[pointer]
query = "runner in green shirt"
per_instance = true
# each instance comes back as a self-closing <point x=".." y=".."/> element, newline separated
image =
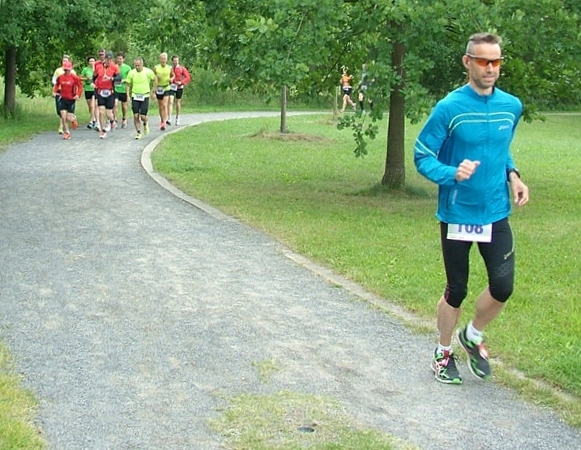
<point x="139" y="84"/>
<point x="87" y="77"/>
<point x="120" y="92"/>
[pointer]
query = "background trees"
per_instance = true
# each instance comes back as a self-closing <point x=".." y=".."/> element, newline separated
<point x="412" y="48"/>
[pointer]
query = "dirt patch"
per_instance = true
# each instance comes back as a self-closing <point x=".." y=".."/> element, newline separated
<point x="288" y="137"/>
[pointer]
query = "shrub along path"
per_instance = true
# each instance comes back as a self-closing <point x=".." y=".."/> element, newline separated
<point x="134" y="316"/>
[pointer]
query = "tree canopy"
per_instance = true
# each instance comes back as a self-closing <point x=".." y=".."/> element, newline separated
<point x="412" y="48"/>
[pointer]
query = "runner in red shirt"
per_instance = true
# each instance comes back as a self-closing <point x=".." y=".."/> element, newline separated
<point x="104" y="77"/>
<point x="70" y="87"/>
<point x="180" y="78"/>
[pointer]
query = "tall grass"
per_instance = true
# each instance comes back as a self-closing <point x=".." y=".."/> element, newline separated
<point x="309" y="191"/>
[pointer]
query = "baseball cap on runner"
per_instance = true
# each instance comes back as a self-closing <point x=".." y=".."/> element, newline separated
<point x="109" y="55"/>
<point x="101" y="50"/>
<point x="68" y="65"/>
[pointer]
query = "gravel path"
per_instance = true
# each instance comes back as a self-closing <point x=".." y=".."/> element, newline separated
<point x="128" y="309"/>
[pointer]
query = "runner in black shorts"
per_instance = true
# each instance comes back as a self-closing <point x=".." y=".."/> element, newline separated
<point x="139" y="84"/>
<point x="464" y="147"/>
<point x="104" y="77"/>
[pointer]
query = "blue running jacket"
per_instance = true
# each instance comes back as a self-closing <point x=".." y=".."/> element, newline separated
<point x="466" y="125"/>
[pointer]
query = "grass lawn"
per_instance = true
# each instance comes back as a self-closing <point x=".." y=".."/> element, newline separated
<point x="309" y="191"/>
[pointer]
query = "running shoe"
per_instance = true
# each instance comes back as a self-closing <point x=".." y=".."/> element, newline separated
<point x="97" y="126"/>
<point x="168" y="122"/>
<point x="444" y="367"/>
<point x="114" y="124"/>
<point x="124" y="123"/>
<point x="477" y="356"/>
<point x="107" y="127"/>
<point x="66" y="136"/>
<point x="138" y="135"/>
<point x="177" y="121"/>
<point x="91" y="125"/>
<point x="146" y="128"/>
<point x="103" y="135"/>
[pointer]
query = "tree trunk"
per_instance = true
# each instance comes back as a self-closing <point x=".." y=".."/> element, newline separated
<point x="394" y="176"/>
<point x="10" y="82"/>
<point x="283" y="128"/>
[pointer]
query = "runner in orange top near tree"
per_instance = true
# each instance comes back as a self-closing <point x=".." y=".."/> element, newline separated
<point x="347" y="89"/>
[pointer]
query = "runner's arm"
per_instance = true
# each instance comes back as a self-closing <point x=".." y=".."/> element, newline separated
<point x="188" y="77"/>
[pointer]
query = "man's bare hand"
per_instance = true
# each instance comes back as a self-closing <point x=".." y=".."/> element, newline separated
<point x="520" y="191"/>
<point x="466" y="169"/>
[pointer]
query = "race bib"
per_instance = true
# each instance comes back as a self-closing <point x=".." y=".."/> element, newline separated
<point x="160" y="91"/>
<point x="173" y="87"/>
<point x="139" y="97"/>
<point x="470" y="233"/>
<point x="105" y="93"/>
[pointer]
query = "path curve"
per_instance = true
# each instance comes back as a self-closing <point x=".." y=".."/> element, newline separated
<point x="133" y="315"/>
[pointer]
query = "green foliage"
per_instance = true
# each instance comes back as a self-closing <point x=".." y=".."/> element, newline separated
<point x="361" y="130"/>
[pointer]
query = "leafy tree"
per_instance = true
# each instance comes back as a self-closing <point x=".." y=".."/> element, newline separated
<point x="34" y="34"/>
<point x="426" y="38"/>
<point x="276" y="45"/>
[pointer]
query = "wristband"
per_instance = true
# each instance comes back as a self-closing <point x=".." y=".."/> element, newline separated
<point x="513" y="170"/>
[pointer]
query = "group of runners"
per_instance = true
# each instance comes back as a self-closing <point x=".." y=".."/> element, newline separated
<point x="110" y="85"/>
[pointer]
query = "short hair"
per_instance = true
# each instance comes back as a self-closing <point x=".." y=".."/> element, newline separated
<point x="174" y="56"/>
<point x="91" y="57"/>
<point x="139" y="58"/>
<point x="163" y="54"/>
<point x="482" y="38"/>
<point x="121" y="54"/>
<point x="67" y="57"/>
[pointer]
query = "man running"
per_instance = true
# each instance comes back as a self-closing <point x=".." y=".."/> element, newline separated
<point x="98" y="63"/>
<point x="58" y="72"/>
<point x="180" y="78"/>
<point x="464" y="147"/>
<point x="68" y="87"/>
<point x="163" y="74"/>
<point x="139" y="83"/>
<point x="104" y="79"/>
<point x="87" y="77"/>
<point x="120" y="91"/>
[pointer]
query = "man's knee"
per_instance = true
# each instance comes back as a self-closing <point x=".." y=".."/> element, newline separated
<point x="455" y="295"/>
<point x="501" y="290"/>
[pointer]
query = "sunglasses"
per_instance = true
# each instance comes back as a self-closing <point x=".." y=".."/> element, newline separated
<point x="483" y="62"/>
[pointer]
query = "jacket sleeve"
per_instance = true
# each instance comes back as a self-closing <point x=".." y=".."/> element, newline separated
<point x="509" y="161"/>
<point x="430" y="141"/>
